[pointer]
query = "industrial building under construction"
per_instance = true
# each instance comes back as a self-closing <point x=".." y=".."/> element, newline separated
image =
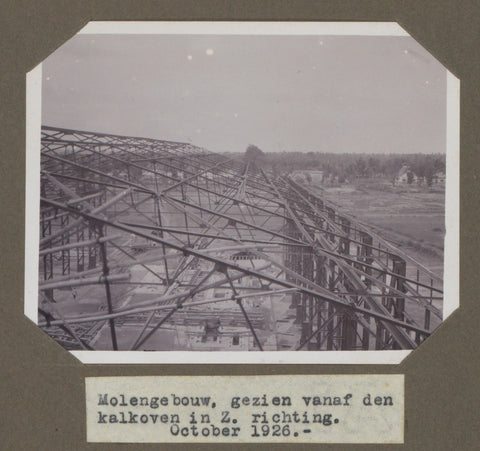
<point x="164" y="246"/>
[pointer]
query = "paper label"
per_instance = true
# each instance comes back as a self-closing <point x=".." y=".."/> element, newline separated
<point x="309" y="409"/>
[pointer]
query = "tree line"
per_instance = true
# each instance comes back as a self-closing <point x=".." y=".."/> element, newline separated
<point x="348" y="166"/>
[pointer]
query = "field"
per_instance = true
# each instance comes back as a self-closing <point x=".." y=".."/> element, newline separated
<point x="410" y="217"/>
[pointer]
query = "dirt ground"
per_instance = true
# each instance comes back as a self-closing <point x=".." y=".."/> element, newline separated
<point x="410" y="217"/>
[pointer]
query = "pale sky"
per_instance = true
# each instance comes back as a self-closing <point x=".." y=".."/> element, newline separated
<point x="282" y="93"/>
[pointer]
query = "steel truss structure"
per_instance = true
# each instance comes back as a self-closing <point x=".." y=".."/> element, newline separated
<point x="123" y="214"/>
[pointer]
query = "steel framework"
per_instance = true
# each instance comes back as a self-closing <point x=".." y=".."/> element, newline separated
<point x="143" y="235"/>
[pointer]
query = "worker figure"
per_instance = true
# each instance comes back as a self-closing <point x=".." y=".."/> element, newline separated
<point x="74" y="294"/>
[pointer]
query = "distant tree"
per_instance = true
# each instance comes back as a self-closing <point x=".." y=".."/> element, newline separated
<point x="373" y="166"/>
<point x="253" y="154"/>
<point x="440" y="166"/>
<point x="429" y="171"/>
<point x="361" y="167"/>
<point x="409" y="177"/>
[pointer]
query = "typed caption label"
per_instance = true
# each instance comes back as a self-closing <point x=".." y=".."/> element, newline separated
<point x="310" y="409"/>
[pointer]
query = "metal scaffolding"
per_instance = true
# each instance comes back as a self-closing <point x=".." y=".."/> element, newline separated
<point x="190" y="229"/>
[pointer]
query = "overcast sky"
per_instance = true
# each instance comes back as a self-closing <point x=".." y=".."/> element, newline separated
<point x="281" y="93"/>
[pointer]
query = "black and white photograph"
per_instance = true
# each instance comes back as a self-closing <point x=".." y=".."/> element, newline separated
<point x="242" y="193"/>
